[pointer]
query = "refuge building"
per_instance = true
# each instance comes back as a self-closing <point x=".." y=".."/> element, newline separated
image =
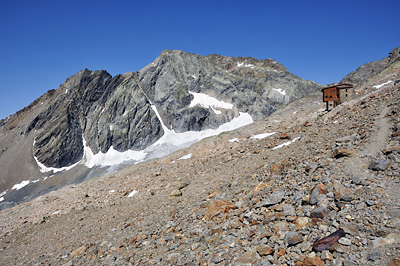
<point x="337" y="94"/>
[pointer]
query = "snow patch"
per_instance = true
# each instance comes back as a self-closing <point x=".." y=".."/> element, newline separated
<point x="209" y="102"/>
<point x="179" y="139"/>
<point x="1" y="199"/>
<point x="44" y="169"/>
<point x="185" y="157"/>
<point x="111" y="191"/>
<point x="234" y="140"/>
<point x="111" y="157"/>
<point x="243" y="65"/>
<point x="44" y="178"/>
<point x="281" y="91"/>
<point x="381" y="85"/>
<point x="3" y="193"/>
<point x="263" y="136"/>
<point x="66" y="91"/>
<point x="21" y="185"/>
<point x="133" y="193"/>
<point x="285" y="144"/>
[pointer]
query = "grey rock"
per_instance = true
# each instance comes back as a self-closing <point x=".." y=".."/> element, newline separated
<point x="346" y="139"/>
<point x="374" y="256"/>
<point x="289" y="210"/>
<point x="294" y="238"/>
<point x="272" y="199"/>
<point x="357" y="180"/>
<point x="349" y="263"/>
<point x="297" y="197"/>
<point x="320" y="213"/>
<point x="345" y="241"/>
<point x="379" y="164"/>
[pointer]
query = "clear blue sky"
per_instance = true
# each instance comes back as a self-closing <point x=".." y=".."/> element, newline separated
<point x="42" y="43"/>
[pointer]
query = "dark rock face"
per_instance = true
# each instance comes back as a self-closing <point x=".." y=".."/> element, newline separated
<point x="106" y="111"/>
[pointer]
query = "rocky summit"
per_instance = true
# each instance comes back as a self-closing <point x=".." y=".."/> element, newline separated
<point x="300" y="187"/>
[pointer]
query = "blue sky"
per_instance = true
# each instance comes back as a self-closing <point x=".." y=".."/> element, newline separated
<point x="42" y="43"/>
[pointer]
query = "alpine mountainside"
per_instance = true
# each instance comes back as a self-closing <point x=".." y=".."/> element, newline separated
<point x="93" y="113"/>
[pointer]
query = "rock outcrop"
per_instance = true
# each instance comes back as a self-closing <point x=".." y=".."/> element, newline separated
<point x="375" y="70"/>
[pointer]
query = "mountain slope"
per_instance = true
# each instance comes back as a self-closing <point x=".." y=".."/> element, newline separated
<point x="277" y="194"/>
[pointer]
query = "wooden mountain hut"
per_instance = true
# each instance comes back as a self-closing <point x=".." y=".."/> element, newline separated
<point x="337" y="94"/>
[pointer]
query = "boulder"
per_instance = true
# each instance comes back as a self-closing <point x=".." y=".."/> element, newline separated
<point x="379" y="164"/>
<point x="217" y="207"/>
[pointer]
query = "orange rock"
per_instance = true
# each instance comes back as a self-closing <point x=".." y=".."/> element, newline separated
<point x="316" y="191"/>
<point x="133" y="240"/>
<point x="339" y="152"/>
<point x="217" y="207"/>
<point x="313" y="261"/>
<point x="260" y="186"/>
<point x="284" y="136"/>
<point x="281" y="252"/>
<point x="77" y="252"/>
<point x="389" y="149"/>
<point x="394" y="262"/>
<point x="247" y="258"/>
<point x="301" y="222"/>
<point x="265" y="250"/>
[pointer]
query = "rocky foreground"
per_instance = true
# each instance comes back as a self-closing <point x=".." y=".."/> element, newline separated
<point x="235" y="199"/>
